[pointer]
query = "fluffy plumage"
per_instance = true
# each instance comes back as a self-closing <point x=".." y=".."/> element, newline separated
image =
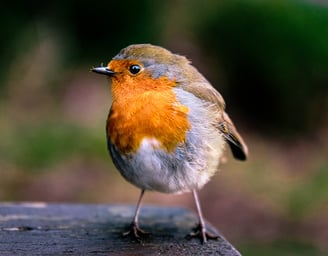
<point x="167" y="126"/>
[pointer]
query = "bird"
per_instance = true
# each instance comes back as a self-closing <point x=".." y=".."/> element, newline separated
<point x="167" y="127"/>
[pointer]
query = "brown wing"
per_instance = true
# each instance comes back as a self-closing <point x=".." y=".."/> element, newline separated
<point x="235" y="141"/>
<point x="205" y="91"/>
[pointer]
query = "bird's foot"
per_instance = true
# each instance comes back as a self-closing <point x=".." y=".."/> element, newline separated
<point x="203" y="234"/>
<point x="136" y="232"/>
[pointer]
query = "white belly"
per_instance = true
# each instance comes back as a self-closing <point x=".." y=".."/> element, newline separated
<point x="152" y="168"/>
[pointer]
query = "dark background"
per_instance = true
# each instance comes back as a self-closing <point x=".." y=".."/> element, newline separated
<point x="269" y="59"/>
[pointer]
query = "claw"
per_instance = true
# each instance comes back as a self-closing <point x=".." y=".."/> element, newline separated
<point x="200" y="232"/>
<point x="136" y="232"/>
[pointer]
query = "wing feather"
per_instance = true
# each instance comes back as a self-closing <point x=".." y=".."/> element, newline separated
<point x="205" y="91"/>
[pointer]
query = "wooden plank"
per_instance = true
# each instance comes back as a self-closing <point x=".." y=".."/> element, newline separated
<point x="74" y="229"/>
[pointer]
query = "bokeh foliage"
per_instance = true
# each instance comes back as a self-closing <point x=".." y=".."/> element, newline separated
<point x="273" y="53"/>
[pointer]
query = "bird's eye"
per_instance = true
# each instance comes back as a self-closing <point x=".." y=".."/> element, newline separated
<point x="134" y="69"/>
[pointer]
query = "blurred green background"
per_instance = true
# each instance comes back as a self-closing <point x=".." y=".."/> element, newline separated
<point x="269" y="59"/>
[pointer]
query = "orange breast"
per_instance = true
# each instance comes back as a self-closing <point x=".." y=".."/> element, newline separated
<point x="144" y="107"/>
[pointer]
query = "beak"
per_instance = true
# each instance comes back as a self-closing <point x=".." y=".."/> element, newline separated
<point x="103" y="71"/>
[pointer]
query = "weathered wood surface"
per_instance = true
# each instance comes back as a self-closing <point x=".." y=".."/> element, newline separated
<point x="70" y="229"/>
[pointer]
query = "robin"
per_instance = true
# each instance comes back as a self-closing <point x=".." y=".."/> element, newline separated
<point x="167" y="126"/>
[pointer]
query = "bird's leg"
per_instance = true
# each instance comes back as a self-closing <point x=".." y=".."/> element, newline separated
<point x="135" y="231"/>
<point x="200" y="230"/>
